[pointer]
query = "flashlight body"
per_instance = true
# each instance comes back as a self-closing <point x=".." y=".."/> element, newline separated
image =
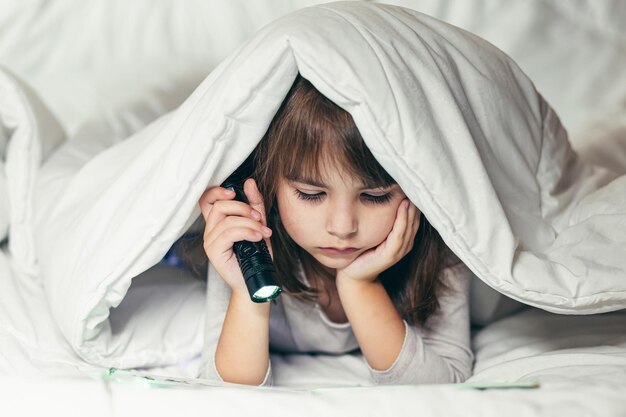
<point x="255" y="261"/>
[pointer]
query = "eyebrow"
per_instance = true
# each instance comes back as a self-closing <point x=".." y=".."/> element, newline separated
<point x="316" y="183"/>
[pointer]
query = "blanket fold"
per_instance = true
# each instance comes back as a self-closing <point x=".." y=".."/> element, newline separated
<point x="448" y="115"/>
<point x="29" y="133"/>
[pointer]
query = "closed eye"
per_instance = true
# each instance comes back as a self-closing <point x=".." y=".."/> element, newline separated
<point x="368" y="198"/>
<point x="308" y="197"/>
<point x="377" y="199"/>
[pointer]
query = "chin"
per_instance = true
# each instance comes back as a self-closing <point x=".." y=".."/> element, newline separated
<point x="334" y="263"/>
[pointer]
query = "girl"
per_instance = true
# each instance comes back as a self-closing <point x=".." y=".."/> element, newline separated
<point x="360" y="266"/>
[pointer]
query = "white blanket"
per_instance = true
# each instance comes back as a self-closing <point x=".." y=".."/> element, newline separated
<point x="572" y="52"/>
<point x="454" y="120"/>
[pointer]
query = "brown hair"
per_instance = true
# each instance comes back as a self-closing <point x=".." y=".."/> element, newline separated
<point x="307" y="132"/>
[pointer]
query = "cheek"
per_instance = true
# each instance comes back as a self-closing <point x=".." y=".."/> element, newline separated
<point x="295" y="219"/>
<point x="381" y="223"/>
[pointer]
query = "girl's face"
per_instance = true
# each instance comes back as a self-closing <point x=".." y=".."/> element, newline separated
<point x="338" y="213"/>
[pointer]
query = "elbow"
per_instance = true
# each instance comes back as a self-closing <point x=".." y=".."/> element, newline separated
<point x="447" y="373"/>
<point x="245" y="378"/>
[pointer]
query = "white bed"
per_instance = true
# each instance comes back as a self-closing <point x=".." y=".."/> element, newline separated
<point x="95" y="73"/>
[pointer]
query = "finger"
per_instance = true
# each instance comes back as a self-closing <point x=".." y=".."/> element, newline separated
<point x="412" y="228"/>
<point x="395" y="239"/>
<point x="224" y="208"/>
<point x="223" y="242"/>
<point x="400" y="225"/>
<point x="416" y="220"/>
<point x="223" y="231"/>
<point x="210" y="196"/>
<point x="405" y="227"/>
<point x="255" y="198"/>
<point x="410" y="219"/>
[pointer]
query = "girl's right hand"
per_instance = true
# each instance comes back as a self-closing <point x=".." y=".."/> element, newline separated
<point x="229" y="221"/>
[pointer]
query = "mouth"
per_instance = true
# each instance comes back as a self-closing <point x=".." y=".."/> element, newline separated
<point x="339" y="251"/>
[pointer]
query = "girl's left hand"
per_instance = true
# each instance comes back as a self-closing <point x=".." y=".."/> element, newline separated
<point x="399" y="242"/>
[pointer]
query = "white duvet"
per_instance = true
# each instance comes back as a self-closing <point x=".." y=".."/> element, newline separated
<point x="453" y="119"/>
<point x="471" y="142"/>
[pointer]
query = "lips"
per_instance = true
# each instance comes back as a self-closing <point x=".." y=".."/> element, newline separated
<point x="339" y="251"/>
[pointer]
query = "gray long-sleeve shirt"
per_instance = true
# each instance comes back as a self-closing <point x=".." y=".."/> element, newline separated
<point x="438" y="352"/>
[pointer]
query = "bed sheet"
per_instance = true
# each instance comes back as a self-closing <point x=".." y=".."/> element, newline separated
<point x="77" y="397"/>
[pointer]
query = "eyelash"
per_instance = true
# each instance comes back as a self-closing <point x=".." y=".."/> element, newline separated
<point x="373" y="199"/>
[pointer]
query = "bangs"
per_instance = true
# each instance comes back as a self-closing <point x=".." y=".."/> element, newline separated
<point x="316" y="134"/>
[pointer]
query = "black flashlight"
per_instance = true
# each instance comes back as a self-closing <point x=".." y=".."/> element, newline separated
<point x="254" y="258"/>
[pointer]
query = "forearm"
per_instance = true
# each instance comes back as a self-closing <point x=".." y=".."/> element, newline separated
<point x="242" y="354"/>
<point x="376" y="323"/>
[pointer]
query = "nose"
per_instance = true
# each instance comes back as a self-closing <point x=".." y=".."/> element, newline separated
<point x="342" y="221"/>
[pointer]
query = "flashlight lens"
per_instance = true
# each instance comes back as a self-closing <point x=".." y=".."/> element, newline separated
<point x="267" y="293"/>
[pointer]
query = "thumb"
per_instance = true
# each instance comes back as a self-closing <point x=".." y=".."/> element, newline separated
<point x="255" y="198"/>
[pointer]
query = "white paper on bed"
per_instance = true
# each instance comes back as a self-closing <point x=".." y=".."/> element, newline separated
<point x="449" y="116"/>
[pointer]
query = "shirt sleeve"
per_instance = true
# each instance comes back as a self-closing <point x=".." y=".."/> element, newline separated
<point x="218" y="297"/>
<point x="440" y="351"/>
